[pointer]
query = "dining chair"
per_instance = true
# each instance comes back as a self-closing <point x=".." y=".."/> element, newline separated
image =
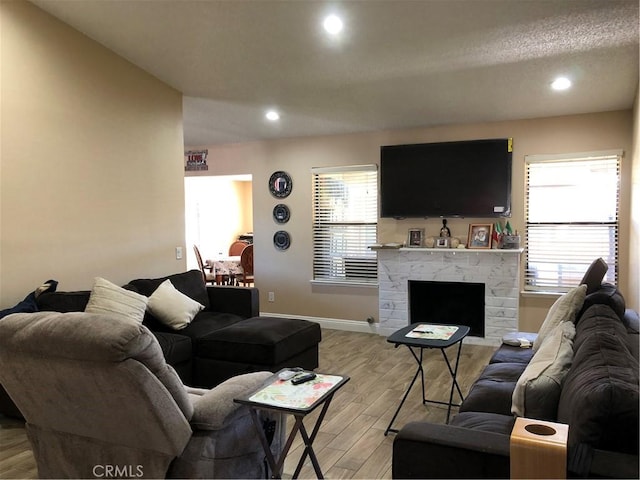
<point x="207" y="275"/>
<point x="236" y="248"/>
<point x="246" y="262"/>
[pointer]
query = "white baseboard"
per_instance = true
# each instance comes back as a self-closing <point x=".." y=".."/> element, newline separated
<point x="331" y="323"/>
<point x="364" y="327"/>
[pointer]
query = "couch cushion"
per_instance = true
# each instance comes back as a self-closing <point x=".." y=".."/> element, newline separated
<point x="63" y="302"/>
<point x="564" y="309"/>
<point x="493" y="389"/>
<point x="599" y="398"/>
<point x="509" y="354"/>
<point x="594" y="275"/>
<point x="190" y="283"/>
<point x="596" y="320"/>
<point x="486" y="422"/>
<point x="110" y="299"/>
<point x="176" y="348"/>
<point x="537" y="391"/>
<point x="171" y="307"/>
<point x="607" y="295"/>
<point x="206" y="322"/>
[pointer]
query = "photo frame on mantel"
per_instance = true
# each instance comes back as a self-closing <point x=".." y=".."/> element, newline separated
<point x="415" y="237"/>
<point x="480" y="235"/>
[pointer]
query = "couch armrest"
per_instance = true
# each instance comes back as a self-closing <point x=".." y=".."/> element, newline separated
<point x="215" y="409"/>
<point x="241" y="301"/>
<point x="427" y="450"/>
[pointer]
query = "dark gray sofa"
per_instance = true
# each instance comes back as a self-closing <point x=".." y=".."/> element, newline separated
<point x="598" y="400"/>
<point x="226" y="339"/>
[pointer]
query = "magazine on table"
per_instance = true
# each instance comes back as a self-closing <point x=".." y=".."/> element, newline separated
<point x="432" y="332"/>
<point x="282" y="393"/>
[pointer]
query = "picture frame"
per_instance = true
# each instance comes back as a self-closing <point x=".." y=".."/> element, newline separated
<point x="480" y="235"/>
<point x="442" y="242"/>
<point x="415" y="237"/>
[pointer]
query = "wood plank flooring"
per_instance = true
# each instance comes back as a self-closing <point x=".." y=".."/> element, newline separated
<point x="351" y="441"/>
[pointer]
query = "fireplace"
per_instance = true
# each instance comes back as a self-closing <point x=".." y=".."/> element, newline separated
<point x="498" y="270"/>
<point x="460" y="303"/>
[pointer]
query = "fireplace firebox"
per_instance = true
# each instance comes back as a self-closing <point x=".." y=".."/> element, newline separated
<point x="461" y="303"/>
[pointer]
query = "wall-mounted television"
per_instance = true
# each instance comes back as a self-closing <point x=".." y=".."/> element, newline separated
<point x="447" y="179"/>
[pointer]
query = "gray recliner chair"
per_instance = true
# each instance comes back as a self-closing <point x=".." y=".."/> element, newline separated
<point x="100" y="401"/>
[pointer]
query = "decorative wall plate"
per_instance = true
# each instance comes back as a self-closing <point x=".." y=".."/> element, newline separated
<point x="281" y="213"/>
<point x="280" y="184"/>
<point x="281" y="240"/>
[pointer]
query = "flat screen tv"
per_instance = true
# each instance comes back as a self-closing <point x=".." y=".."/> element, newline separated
<point x="448" y="179"/>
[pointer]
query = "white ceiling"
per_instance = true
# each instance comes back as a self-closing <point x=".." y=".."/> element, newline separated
<point x="397" y="64"/>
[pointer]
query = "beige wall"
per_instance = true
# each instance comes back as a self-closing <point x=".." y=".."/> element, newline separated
<point x="288" y="273"/>
<point x="91" y="161"/>
<point x="633" y="294"/>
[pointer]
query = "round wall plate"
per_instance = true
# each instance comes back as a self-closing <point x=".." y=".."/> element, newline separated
<point x="281" y="213"/>
<point x="281" y="240"/>
<point x="280" y="184"/>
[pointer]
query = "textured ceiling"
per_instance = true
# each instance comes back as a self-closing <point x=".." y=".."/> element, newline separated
<point x="397" y="64"/>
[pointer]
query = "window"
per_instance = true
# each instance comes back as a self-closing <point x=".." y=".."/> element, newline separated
<point x="345" y="216"/>
<point x="572" y="204"/>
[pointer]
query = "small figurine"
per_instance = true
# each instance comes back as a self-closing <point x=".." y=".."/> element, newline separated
<point x="444" y="231"/>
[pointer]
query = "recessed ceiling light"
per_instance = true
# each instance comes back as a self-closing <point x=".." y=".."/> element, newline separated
<point x="561" y="83"/>
<point x="332" y="24"/>
<point x="272" y="116"/>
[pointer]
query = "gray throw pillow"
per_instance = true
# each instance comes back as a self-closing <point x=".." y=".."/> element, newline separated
<point x="564" y="309"/>
<point x="537" y="391"/>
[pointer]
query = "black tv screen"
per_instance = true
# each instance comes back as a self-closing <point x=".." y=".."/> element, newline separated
<point x="448" y="179"/>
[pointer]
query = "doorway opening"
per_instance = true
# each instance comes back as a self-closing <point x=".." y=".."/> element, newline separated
<point x="218" y="211"/>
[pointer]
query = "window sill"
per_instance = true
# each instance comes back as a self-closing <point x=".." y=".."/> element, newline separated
<point x="338" y="283"/>
<point x="533" y="294"/>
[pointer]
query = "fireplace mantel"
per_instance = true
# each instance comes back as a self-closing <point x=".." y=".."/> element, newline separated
<point x="498" y="269"/>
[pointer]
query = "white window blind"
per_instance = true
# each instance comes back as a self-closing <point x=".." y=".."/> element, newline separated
<point x="345" y="217"/>
<point x="572" y="204"/>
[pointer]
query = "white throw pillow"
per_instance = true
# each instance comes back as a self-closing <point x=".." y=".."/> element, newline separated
<point x="537" y="391"/>
<point x="110" y="299"/>
<point x="172" y="307"/>
<point x="564" y="309"/>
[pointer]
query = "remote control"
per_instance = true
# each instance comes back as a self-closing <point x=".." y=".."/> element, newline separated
<point x="303" y="377"/>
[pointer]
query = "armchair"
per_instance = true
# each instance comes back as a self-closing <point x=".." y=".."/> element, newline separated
<point x="99" y="400"/>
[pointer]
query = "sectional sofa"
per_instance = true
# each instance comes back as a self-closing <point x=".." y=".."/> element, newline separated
<point x="226" y="338"/>
<point x="582" y="371"/>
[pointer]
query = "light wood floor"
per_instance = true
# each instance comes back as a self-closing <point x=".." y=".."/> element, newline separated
<point x="351" y="441"/>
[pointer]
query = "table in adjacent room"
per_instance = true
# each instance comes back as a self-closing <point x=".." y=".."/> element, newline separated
<point x="225" y="268"/>
<point x="298" y="400"/>
<point x="420" y="336"/>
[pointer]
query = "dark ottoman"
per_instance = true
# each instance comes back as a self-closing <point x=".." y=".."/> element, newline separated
<point x="254" y="344"/>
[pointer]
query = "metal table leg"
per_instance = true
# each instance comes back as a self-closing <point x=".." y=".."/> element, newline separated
<point x="277" y="466"/>
<point x="420" y="372"/>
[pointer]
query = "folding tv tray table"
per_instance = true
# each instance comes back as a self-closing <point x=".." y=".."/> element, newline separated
<point x="298" y="400"/>
<point x="434" y="338"/>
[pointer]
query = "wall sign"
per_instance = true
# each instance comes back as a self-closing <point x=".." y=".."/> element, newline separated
<point x="196" y="160"/>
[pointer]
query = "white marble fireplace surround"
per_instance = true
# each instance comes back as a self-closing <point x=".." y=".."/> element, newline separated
<point x="499" y="270"/>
